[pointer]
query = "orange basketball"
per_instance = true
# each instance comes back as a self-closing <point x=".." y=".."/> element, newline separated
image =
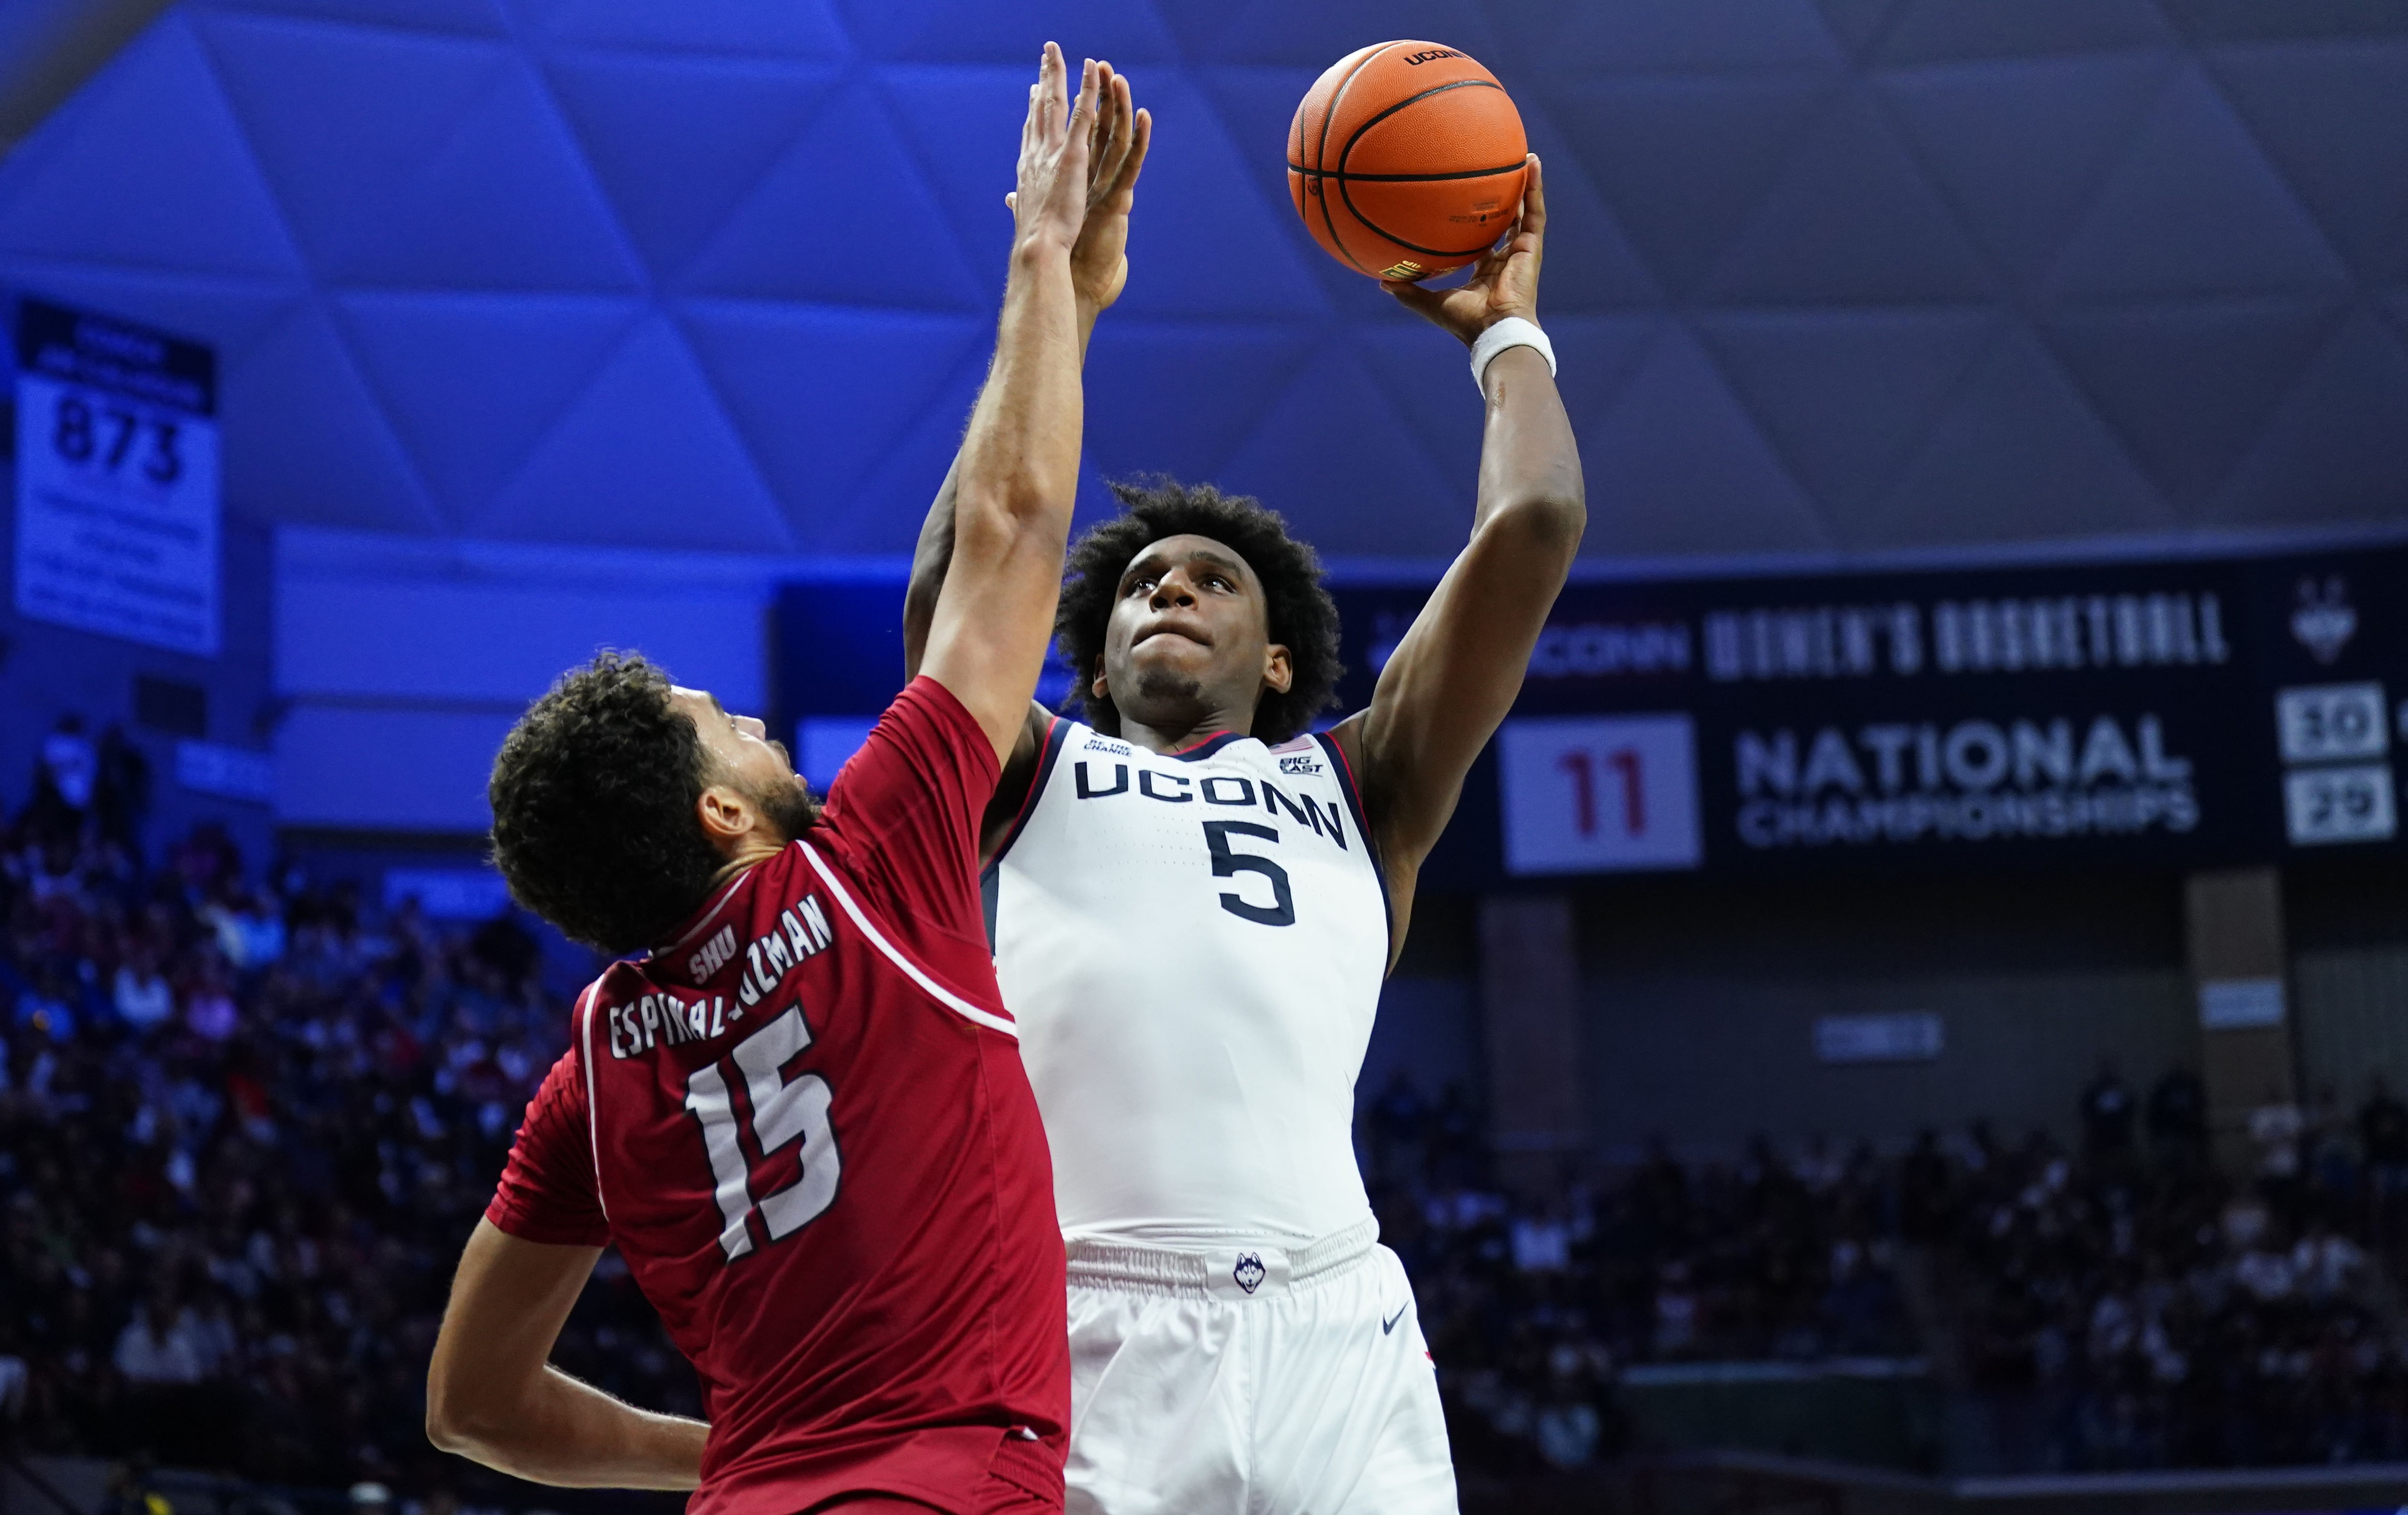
<point x="1406" y="160"/>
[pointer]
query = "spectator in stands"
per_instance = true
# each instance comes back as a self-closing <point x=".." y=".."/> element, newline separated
<point x="2178" y="1116"/>
<point x="2107" y="1117"/>
<point x="63" y="776"/>
<point x="2383" y="1142"/>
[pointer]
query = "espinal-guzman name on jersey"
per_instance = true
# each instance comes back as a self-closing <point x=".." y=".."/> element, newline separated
<point x="1192" y="944"/>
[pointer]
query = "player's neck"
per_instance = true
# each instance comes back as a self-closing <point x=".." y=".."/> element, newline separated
<point x="748" y="851"/>
<point x="1176" y="735"/>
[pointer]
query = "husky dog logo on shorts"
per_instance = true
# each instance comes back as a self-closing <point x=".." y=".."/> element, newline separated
<point x="1249" y="1272"/>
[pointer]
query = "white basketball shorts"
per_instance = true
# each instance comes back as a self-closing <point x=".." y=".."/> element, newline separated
<point x="1250" y="1380"/>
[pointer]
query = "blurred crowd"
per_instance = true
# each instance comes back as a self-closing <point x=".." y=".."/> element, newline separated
<point x="2126" y="1304"/>
<point x="246" y="1122"/>
<point x="1533" y="1311"/>
<point x="2131" y="1305"/>
<point x="247" y="1119"/>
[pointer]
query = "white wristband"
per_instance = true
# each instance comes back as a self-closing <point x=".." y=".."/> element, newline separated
<point x="1510" y="332"/>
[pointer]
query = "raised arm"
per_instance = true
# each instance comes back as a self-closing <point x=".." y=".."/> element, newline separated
<point x="1017" y="476"/>
<point x="1098" y="270"/>
<point x="493" y="1395"/>
<point x="1459" y="668"/>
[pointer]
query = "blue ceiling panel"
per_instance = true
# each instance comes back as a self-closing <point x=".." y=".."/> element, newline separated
<point x="678" y="142"/>
<point x="824" y="395"/>
<point x="1849" y="219"/>
<point x="227" y="311"/>
<point x="1130" y="431"/>
<point x="186" y="200"/>
<point x="1675" y="464"/>
<point x="2195" y="208"/>
<point x="508" y="202"/>
<point x="1860" y="25"/>
<point x="2190" y="387"/>
<point x="472" y="381"/>
<point x="1214" y="32"/>
<point x="321" y="109"/>
<point x="645" y="457"/>
<point x="1682" y="37"/>
<point x="792" y="29"/>
<point x="2018" y="448"/>
<point x="843" y="216"/>
<point x="1822" y="275"/>
<point x="305" y="440"/>
<point x="482" y="18"/>
<point x="2329" y="115"/>
<point x="1935" y="31"/>
<point x="1684" y="162"/>
<point x="1286" y="464"/>
<point x="1847" y="396"/>
<point x="982" y="33"/>
<point x="2337" y="450"/>
<point x="2254" y="20"/>
<point x="2021" y="147"/>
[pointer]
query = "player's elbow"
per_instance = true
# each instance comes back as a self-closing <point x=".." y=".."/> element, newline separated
<point x="1548" y="520"/>
<point x="460" y="1420"/>
<point x="1009" y="508"/>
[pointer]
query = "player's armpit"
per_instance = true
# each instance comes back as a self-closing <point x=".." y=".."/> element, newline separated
<point x="493" y="1395"/>
<point x="1011" y="787"/>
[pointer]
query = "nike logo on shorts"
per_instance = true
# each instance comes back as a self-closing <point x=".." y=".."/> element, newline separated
<point x="1390" y="1323"/>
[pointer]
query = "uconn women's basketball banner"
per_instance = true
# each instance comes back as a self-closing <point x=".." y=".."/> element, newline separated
<point x="2181" y="714"/>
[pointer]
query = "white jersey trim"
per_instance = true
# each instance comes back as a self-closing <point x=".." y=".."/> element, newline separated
<point x="592" y="1107"/>
<point x="937" y="992"/>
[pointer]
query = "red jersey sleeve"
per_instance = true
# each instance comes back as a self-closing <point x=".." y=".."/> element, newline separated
<point x="909" y="804"/>
<point x="547" y="1191"/>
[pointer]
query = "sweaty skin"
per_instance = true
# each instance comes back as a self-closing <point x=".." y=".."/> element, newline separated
<point x="1188" y="654"/>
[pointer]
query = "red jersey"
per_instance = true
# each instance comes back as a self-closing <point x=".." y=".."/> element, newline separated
<point x="805" y="1125"/>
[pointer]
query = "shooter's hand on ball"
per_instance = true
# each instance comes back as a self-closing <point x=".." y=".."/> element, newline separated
<point x="1504" y="283"/>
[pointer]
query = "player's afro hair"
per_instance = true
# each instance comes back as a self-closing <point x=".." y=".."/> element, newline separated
<point x="1301" y="615"/>
<point x="594" y="796"/>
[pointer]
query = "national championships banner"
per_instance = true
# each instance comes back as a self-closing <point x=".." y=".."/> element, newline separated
<point x="2180" y="714"/>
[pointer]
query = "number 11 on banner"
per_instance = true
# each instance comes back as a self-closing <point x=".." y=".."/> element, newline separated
<point x="1600" y="794"/>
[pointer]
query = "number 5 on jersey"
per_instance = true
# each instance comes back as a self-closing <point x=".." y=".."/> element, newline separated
<point x="784" y="1110"/>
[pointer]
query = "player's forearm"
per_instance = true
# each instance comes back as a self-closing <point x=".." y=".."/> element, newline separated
<point x="1019" y="464"/>
<point x="1530" y="460"/>
<point x="934" y="553"/>
<point x="561" y="1432"/>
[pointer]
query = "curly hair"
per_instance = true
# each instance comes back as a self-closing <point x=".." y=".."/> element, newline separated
<point x="594" y="796"/>
<point x="1300" y="615"/>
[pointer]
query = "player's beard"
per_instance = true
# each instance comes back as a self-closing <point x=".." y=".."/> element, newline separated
<point x="787" y="805"/>
<point x="1159" y="687"/>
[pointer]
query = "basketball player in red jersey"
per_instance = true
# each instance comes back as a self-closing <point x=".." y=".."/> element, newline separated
<point x="801" y="1117"/>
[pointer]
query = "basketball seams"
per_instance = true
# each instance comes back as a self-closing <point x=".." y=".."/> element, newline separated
<point x="1406" y="179"/>
<point x="1320" y="151"/>
<point x="1348" y="152"/>
<point x="1310" y="166"/>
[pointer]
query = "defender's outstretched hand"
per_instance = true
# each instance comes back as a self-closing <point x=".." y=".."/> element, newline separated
<point x="1504" y="283"/>
<point x="1051" y="204"/>
<point x="1116" y="153"/>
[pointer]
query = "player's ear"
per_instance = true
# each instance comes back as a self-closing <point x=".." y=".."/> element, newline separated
<point x="1279" y="670"/>
<point x="1100" y="686"/>
<point x="726" y="816"/>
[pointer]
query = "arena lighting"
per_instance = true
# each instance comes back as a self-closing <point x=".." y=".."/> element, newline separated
<point x="48" y="48"/>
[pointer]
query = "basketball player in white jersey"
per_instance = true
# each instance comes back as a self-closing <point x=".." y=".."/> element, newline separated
<point x="1194" y="901"/>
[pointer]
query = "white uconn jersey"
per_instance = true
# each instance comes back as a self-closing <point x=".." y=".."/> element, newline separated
<point x="1193" y="946"/>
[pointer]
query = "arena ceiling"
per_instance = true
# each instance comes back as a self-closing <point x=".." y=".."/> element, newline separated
<point x="1827" y="276"/>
